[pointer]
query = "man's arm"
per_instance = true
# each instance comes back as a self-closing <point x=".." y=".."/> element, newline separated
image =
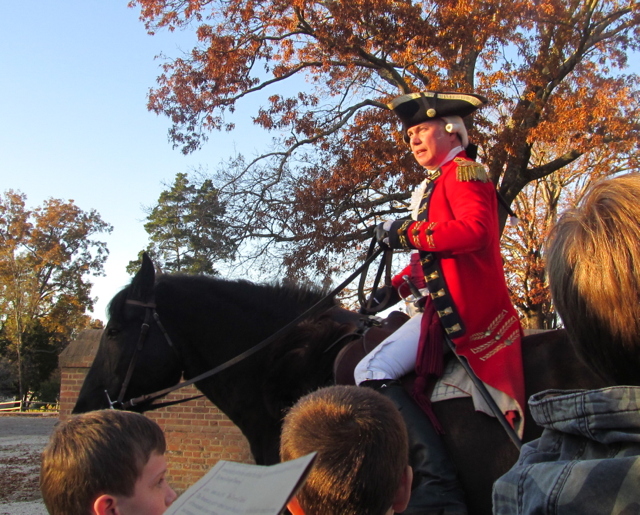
<point x="473" y="206"/>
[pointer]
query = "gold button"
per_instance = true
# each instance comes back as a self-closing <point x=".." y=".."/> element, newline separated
<point x="437" y="294"/>
<point x="431" y="113"/>
<point x="453" y="328"/>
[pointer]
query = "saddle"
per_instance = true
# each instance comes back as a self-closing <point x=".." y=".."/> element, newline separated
<point x="352" y="353"/>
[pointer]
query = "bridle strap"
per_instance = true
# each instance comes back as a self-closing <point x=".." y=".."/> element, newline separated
<point x="316" y="308"/>
<point x="144" y="330"/>
<point x="166" y="404"/>
<point x="156" y="317"/>
<point x="344" y="337"/>
<point x="150" y="310"/>
<point x="151" y="305"/>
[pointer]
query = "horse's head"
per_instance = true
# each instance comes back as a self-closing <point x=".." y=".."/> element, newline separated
<point x="134" y="350"/>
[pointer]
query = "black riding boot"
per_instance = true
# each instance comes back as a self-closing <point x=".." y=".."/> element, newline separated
<point x="435" y="489"/>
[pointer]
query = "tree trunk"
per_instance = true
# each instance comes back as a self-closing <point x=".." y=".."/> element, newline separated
<point x="535" y="318"/>
<point x="20" y="387"/>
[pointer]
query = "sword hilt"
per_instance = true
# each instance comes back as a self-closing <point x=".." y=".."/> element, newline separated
<point x="417" y="295"/>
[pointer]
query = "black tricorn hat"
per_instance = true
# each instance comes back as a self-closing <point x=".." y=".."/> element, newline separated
<point x="416" y="108"/>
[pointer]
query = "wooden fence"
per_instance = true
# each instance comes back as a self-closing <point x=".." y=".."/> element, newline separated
<point x="27" y="406"/>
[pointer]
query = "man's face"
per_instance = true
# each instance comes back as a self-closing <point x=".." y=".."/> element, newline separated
<point x="430" y="143"/>
<point x="152" y="495"/>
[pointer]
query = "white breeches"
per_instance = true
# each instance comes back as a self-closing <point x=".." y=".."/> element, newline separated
<point x="394" y="357"/>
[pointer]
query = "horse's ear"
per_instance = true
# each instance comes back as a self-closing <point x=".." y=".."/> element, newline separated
<point x="142" y="283"/>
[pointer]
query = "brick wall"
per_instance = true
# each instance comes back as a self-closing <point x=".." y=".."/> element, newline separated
<point x="198" y="434"/>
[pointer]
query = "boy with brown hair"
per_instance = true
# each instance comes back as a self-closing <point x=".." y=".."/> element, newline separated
<point x="106" y="462"/>
<point x="362" y="464"/>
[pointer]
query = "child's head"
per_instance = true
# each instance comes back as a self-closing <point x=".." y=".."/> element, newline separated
<point x="103" y="459"/>
<point x="593" y="264"/>
<point x="361" y="441"/>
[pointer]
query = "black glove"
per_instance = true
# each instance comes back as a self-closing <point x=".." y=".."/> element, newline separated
<point x="381" y="235"/>
<point x="379" y="297"/>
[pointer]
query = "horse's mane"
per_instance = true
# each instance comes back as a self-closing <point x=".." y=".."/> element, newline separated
<point x="292" y="362"/>
<point x="280" y="295"/>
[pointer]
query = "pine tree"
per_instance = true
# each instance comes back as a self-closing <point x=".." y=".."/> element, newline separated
<point x="186" y="228"/>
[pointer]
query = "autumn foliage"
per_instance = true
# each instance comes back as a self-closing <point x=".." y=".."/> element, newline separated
<point x="554" y="71"/>
<point x="46" y="257"/>
<point x="538" y="207"/>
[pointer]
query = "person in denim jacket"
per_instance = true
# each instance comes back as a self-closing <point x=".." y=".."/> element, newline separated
<point x="588" y="458"/>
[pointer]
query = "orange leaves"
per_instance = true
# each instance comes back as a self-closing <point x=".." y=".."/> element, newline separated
<point x="538" y="206"/>
<point x="45" y="258"/>
<point x="337" y="165"/>
<point x="523" y="252"/>
<point x="328" y="41"/>
<point x="170" y="14"/>
<point x="14" y="219"/>
<point x="520" y="52"/>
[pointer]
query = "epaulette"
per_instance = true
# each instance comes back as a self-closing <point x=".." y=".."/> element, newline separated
<point x="470" y="171"/>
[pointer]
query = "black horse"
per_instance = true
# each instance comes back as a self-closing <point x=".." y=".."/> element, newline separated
<point x="210" y="321"/>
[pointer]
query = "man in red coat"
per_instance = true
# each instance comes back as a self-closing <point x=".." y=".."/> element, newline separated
<point x="453" y="235"/>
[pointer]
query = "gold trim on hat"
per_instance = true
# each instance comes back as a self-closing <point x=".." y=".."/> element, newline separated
<point x="430" y="94"/>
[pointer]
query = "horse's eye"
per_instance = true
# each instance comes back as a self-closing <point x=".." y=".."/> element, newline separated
<point x="112" y="332"/>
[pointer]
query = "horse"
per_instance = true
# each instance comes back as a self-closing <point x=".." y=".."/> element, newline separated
<point x="205" y="321"/>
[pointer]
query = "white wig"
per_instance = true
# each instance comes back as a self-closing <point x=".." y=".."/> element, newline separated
<point x="455" y="125"/>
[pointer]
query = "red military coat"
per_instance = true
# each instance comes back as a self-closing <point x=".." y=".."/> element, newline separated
<point x="461" y="229"/>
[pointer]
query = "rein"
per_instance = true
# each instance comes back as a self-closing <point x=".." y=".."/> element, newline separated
<point x="313" y="310"/>
<point x="385" y="265"/>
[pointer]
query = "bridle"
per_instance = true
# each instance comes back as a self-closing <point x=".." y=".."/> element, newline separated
<point x="150" y="312"/>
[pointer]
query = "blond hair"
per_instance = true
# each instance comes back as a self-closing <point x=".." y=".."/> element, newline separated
<point x="593" y="264"/>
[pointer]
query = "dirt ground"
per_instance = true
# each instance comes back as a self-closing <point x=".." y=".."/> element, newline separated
<point x="22" y="439"/>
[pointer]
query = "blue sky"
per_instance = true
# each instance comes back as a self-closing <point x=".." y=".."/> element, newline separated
<point x="75" y="76"/>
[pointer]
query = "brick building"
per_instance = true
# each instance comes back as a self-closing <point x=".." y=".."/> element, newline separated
<point x="198" y="434"/>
